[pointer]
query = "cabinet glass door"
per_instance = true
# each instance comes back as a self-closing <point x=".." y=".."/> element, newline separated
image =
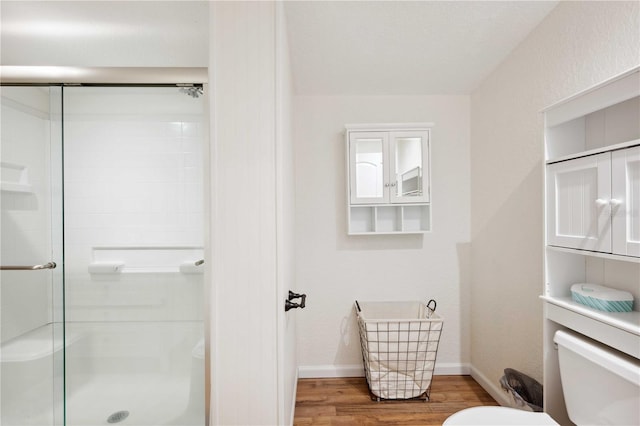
<point x="625" y="201"/>
<point x="579" y="208"/>
<point x="409" y="175"/>
<point x="369" y="183"/>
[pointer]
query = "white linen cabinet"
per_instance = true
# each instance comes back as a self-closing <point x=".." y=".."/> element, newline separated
<point x="592" y="205"/>
<point x="388" y="170"/>
<point x="594" y="202"/>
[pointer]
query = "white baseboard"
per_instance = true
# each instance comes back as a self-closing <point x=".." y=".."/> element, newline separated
<point x="356" y="370"/>
<point x="492" y="389"/>
<point x="452" y="369"/>
<point x="325" y="371"/>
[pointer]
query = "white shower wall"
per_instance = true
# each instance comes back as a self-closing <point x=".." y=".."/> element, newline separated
<point x="25" y="216"/>
<point x="133" y="196"/>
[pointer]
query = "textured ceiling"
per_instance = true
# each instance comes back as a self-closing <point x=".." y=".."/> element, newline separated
<point x="403" y="47"/>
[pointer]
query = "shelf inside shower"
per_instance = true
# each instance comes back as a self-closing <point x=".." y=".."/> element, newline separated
<point x="146" y="259"/>
<point x="14" y="178"/>
<point x="37" y="343"/>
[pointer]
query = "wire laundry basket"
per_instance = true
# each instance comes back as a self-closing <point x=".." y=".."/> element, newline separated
<point x="399" y="343"/>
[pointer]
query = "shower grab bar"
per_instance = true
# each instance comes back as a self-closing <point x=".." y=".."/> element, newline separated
<point x="199" y="262"/>
<point x="50" y="265"/>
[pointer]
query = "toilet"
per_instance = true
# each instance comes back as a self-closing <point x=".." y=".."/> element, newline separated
<point x="498" y="416"/>
<point x="601" y="386"/>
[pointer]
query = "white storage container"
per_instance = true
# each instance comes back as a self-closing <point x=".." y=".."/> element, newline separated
<point x="602" y="298"/>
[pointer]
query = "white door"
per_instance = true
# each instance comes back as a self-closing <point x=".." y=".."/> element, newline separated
<point x="409" y="167"/>
<point x="368" y="170"/>
<point x="579" y="208"/>
<point x="625" y="201"/>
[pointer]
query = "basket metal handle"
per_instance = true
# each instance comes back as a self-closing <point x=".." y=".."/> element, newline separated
<point x="431" y="310"/>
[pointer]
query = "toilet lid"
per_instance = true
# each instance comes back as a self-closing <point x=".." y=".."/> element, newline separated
<point x="498" y="416"/>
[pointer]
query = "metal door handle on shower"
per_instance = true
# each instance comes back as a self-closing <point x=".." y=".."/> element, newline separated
<point x="288" y="304"/>
<point x="50" y="265"/>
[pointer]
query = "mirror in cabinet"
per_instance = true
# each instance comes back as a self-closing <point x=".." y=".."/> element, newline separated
<point x="369" y="166"/>
<point x="408" y="166"/>
<point x="388" y="166"/>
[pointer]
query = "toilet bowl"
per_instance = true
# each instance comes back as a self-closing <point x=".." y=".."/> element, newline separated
<point x="498" y="416"/>
<point x="601" y="386"/>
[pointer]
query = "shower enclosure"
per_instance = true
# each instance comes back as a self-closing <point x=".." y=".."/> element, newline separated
<point x="102" y="236"/>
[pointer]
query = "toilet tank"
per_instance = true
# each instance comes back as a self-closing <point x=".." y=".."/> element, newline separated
<point x="601" y="386"/>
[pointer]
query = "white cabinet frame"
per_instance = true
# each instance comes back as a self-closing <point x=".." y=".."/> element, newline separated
<point x="593" y="203"/>
<point x="626" y="201"/>
<point x="578" y="203"/>
<point x="386" y="210"/>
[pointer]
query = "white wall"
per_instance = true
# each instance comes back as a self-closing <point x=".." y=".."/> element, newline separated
<point x="578" y="45"/>
<point x="335" y="269"/>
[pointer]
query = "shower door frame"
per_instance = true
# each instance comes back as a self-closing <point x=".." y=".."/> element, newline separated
<point x="137" y="76"/>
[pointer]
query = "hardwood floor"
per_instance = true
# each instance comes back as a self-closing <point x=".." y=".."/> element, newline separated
<point x="346" y="401"/>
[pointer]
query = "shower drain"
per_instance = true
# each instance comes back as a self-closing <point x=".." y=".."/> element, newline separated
<point x="118" y="416"/>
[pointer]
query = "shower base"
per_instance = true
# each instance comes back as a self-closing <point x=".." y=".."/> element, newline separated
<point x="150" y="400"/>
<point x="145" y="368"/>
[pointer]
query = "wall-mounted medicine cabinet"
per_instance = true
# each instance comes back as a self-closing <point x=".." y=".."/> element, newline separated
<point x="388" y="169"/>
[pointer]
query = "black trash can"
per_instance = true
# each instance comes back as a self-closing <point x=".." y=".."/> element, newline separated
<point x="525" y="391"/>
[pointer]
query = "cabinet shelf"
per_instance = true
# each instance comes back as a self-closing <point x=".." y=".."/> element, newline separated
<point x="385" y="219"/>
<point x="601" y="255"/>
<point x="619" y="330"/>
<point x="595" y="151"/>
<point x="626" y="321"/>
<point x="603" y="118"/>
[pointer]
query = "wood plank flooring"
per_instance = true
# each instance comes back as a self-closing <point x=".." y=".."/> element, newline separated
<point x="346" y="401"/>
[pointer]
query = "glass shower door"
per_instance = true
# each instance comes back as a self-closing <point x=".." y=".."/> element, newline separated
<point x="31" y="279"/>
<point x="133" y="255"/>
